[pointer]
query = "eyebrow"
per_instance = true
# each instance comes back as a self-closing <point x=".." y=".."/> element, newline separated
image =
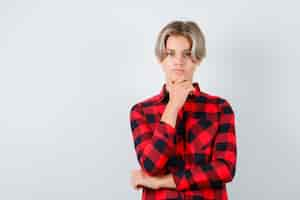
<point x="183" y="50"/>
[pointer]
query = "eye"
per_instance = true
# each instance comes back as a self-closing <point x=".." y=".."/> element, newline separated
<point x="170" y="53"/>
<point x="187" y="54"/>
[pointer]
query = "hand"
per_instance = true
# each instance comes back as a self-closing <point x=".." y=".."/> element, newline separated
<point x="179" y="90"/>
<point x="140" y="179"/>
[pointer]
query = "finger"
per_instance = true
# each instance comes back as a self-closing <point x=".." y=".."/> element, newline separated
<point x="138" y="188"/>
<point x="132" y="182"/>
<point x="134" y="171"/>
<point x="134" y="179"/>
<point x="170" y="81"/>
<point x="143" y="174"/>
<point x="191" y="90"/>
<point x="180" y="80"/>
<point x="135" y="184"/>
<point x="187" y="84"/>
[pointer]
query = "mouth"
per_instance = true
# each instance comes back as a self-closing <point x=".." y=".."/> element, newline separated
<point x="178" y="70"/>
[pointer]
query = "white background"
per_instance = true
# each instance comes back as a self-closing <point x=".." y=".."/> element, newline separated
<point x="71" y="70"/>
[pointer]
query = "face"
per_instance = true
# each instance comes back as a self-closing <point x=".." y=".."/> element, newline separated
<point x="178" y="61"/>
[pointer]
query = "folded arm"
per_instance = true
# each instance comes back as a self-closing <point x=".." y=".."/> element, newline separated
<point x="153" y="146"/>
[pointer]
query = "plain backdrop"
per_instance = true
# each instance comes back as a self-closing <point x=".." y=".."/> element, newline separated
<point x="71" y="70"/>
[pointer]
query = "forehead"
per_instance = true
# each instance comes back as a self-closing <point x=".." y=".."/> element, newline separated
<point x="178" y="42"/>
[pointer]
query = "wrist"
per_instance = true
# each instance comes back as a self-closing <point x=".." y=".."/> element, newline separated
<point x="162" y="181"/>
<point x="167" y="181"/>
<point x="156" y="182"/>
<point x="171" y="105"/>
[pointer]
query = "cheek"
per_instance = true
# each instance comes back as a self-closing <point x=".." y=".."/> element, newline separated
<point x="166" y="65"/>
<point x="167" y="62"/>
<point x="191" y="71"/>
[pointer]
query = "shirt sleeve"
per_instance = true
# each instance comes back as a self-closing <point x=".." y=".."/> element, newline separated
<point x="221" y="168"/>
<point x="153" y="146"/>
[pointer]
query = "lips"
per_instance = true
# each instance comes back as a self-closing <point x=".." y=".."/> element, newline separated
<point x="178" y="70"/>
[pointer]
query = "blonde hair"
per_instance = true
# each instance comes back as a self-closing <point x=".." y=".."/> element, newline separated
<point x="188" y="29"/>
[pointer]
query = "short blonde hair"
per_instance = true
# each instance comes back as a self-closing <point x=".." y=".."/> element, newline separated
<point x="188" y="29"/>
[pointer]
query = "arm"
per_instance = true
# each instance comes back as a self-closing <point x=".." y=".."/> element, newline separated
<point x="153" y="147"/>
<point x="141" y="179"/>
<point x="222" y="167"/>
<point x="166" y="181"/>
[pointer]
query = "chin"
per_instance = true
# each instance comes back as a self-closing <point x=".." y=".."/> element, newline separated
<point x="176" y="75"/>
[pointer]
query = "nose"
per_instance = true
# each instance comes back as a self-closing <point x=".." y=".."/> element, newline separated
<point x="179" y="60"/>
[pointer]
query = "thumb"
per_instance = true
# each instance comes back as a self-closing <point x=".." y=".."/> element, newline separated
<point x="191" y="90"/>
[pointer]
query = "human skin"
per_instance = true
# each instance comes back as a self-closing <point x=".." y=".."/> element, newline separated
<point x="179" y="69"/>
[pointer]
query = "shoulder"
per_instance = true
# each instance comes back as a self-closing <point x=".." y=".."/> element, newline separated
<point x="146" y="102"/>
<point x="220" y="103"/>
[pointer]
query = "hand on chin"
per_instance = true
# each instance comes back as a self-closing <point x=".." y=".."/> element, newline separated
<point x="176" y="76"/>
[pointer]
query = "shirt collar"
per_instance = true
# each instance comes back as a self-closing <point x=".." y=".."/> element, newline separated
<point x="164" y="94"/>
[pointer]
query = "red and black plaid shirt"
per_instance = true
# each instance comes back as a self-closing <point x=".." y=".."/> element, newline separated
<point x="200" y="152"/>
